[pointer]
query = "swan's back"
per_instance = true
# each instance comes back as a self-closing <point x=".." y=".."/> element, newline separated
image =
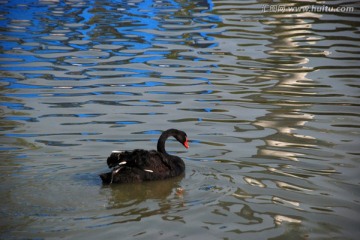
<point x="139" y="158"/>
<point x="141" y="165"/>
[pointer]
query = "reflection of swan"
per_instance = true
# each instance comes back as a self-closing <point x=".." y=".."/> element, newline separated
<point x="123" y="195"/>
<point x="142" y="165"/>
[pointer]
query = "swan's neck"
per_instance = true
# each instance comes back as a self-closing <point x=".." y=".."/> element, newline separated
<point x="161" y="144"/>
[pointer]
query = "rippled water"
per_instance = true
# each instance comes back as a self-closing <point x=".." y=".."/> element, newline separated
<point x="269" y="100"/>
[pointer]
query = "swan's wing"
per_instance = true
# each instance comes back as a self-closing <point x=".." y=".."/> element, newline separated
<point x="114" y="159"/>
<point x="149" y="161"/>
<point x="155" y="162"/>
<point x="118" y="157"/>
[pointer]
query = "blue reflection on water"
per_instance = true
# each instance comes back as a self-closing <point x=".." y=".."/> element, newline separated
<point x="14" y="106"/>
<point x="19" y="85"/>
<point x="23" y="95"/>
<point x="152" y="132"/>
<point x="83" y="115"/>
<point x="21" y="118"/>
<point x="148" y="84"/>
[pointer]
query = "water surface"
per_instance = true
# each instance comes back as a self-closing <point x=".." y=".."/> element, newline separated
<point x="268" y="99"/>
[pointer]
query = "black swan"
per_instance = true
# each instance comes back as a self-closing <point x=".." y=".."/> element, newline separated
<point x="141" y="165"/>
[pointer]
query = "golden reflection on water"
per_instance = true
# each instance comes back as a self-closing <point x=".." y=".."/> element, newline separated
<point x="293" y="85"/>
<point x="279" y="219"/>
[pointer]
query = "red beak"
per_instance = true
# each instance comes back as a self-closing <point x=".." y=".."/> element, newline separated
<point x="186" y="143"/>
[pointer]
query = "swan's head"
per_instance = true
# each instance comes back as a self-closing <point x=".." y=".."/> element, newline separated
<point x="182" y="138"/>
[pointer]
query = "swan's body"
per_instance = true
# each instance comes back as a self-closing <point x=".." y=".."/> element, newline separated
<point x="141" y="165"/>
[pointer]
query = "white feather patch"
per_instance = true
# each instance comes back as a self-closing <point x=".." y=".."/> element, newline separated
<point x="122" y="163"/>
<point x="117" y="151"/>
<point x="148" y="170"/>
